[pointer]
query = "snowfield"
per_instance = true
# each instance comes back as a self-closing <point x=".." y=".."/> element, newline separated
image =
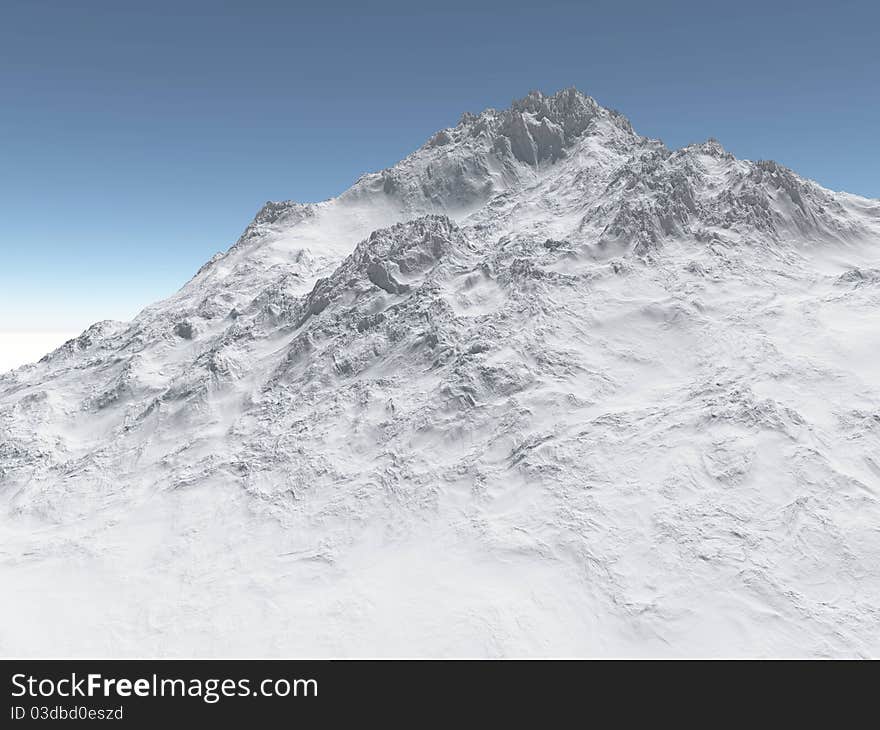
<point x="545" y="387"/>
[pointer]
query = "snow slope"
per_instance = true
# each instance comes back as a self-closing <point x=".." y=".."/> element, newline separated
<point x="544" y="387"/>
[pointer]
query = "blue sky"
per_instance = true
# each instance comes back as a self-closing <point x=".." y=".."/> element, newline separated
<point x="139" y="138"/>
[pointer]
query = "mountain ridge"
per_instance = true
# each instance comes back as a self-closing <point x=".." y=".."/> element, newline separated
<point x="540" y="351"/>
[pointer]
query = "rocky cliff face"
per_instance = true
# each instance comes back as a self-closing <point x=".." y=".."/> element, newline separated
<point x="543" y="387"/>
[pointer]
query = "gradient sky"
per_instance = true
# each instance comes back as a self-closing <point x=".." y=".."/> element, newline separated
<point x="139" y="138"/>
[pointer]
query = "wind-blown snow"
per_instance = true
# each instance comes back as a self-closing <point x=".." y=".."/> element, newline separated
<point x="544" y="387"/>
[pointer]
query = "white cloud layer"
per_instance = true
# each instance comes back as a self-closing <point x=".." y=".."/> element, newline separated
<point x="20" y="348"/>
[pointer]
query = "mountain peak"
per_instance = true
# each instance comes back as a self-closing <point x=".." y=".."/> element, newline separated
<point x="711" y="147"/>
<point x="541" y="355"/>
<point x="558" y="118"/>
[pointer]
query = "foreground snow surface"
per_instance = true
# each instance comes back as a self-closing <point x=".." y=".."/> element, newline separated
<point x="543" y="388"/>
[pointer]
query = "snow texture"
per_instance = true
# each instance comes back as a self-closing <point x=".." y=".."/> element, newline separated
<point x="544" y="387"/>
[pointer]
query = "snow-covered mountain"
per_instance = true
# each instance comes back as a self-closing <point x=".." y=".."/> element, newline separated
<point x="544" y="387"/>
